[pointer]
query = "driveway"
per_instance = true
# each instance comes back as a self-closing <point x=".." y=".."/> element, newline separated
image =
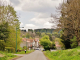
<point x="36" y="55"/>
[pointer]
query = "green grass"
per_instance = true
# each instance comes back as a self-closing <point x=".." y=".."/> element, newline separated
<point x="6" y="56"/>
<point x="23" y="52"/>
<point x="69" y="54"/>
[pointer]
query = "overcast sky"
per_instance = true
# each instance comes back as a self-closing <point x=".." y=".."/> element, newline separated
<point x="35" y="13"/>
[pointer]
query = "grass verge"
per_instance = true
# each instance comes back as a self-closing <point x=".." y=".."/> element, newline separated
<point x="23" y="52"/>
<point x="6" y="56"/>
<point x="70" y="54"/>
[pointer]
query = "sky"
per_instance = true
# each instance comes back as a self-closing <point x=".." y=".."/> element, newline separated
<point x="34" y="14"/>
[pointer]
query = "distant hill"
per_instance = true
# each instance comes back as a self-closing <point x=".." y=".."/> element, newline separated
<point x="43" y="30"/>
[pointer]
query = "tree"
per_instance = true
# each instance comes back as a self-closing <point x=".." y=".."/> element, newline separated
<point x="8" y="23"/>
<point x="74" y="43"/>
<point x="27" y="35"/>
<point x="57" y="35"/>
<point x="4" y="31"/>
<point x="2" y="45"/>
<point x="50" y="36"/>
<point x="59" y="42"/>
<point x="45" y="42"/>
<point x="69" y="20"/>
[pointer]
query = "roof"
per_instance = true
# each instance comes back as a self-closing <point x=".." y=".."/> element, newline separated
<point x="23" y="39"/>
<point x="36" y="39"/>
<point x="30" y="40"/>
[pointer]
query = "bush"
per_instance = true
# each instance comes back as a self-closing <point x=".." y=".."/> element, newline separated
<point x="74" y="43"/>
<point x="2" y="45"/>
<point x="52" y="46"/>
<point x="62" y="46"/>
<point x="10" y="49"/>
<point x="45" y="42"/>
<point x="24" y="48"/>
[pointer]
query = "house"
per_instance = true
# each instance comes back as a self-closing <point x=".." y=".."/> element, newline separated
<point x="23" y="43"/>
<point x="57" y="45"/>
<point x="30" y="43"/>
<point x="37" y="42"/>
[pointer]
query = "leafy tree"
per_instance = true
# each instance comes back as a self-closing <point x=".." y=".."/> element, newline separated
<point x="8" y="23"/>
<point x="45" y="42"/>
<point x="74" y="43"/>
<point x="4" y="31"/>
<point x="2" y="45"/>
<point x="56" y="35"/>
<point x="69" y="20"/>
<point x="60" y="42"/>
<point x="43" y="34"/>
<point x="50" y="36"/>
<point x="27" y="35"/>
<point x="38" y="33"/>
<point x="52" y="46"/>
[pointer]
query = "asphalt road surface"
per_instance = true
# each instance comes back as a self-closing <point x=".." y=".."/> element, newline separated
<point x="36" y="55"/>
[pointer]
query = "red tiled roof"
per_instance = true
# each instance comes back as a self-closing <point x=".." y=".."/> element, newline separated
<point x="23" y="39"/>
<point x="30" y="40"/>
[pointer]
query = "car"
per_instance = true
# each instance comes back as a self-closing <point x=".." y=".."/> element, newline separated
<point x="43" y="49"/>
<point x="36" y="48"/>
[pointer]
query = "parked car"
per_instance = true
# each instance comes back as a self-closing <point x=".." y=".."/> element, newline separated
<point x="37" y="48"/>
<point x="43" y="49"/>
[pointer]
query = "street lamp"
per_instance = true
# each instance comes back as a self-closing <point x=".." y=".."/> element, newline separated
<point x="16" y="37"/>
<point x="26" y="43"/>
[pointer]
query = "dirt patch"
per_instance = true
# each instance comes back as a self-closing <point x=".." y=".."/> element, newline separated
<point x="1" y="55"/>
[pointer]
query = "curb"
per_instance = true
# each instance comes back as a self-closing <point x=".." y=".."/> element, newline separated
<point x="16" y="57"/>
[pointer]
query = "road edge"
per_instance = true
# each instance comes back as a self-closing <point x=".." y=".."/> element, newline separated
<point x="20" y="56"/>
<point x="46" y="56"/>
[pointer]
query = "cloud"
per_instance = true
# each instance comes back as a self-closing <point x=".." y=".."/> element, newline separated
<point x="41" y="9"/>
<point x="47" y="25"/>
<point x="15" y="2"/>
<point x="41" y="18"/>
<point x="40" y="5"/>
<point x="30" y="26"/>
<point x="21" y="24"/>
<point x="36" y="5"/>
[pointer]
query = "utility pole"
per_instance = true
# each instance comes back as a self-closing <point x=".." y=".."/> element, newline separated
<point x="16" y="39"/>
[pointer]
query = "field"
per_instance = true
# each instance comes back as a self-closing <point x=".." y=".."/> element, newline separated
<point x="70" y="54"/>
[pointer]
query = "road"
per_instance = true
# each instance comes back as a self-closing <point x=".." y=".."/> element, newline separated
<point x="36" y="55"/>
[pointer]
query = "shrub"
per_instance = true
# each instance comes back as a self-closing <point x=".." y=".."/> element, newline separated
<point x="10" y="49"/>
<point x="62" y="46"/>
<point x="45" y="42"/>
<point x="2" y="45"/>
<point x="74" y="43"/>
<point x="24" y="48"/>
<point x="52" y="46"/>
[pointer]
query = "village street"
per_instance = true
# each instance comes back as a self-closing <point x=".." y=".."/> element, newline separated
<point x="36" y="55"/>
